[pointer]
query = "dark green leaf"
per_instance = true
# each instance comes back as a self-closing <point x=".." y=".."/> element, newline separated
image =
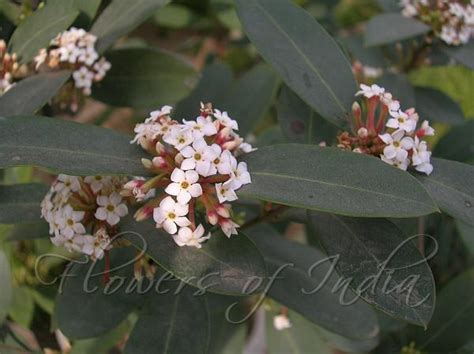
<point x="174" y="16"/>
<point x="85" y="307"/>
<point x="392" y="27"/>
<point x="453" y="321"/>
<point x="41" y="27"/>
<point x="401" y="89"/>
<point x="23" y="306"/>
<point x="312" y="65"/>
<point x="164" y="320"/>
<point x="306" y="282"/>
<point x="386" y="261"/>
<point x="457" y="144"/>
<point x="5" y="280"/>
<point x="332" y="180"/>
<point x="436" y="106"/>
<point x="67" y="147"/>
<point x="373" y="56"/>
<point x="451" y="187"/>
<point x="212" y="87"/>
<point x="88" y="7"/>
<point x="29" y="95"/>
<point x="299" y="123"/>
<point x="20" y="203"/>
<point x="145" y="78"/>
<point x="467" y="234"/>
<point x="389" y="5"/>
<point x="120" y="18"/>
<point x="222" y="265"/>
<point x="251" y="96"/>
<point x="464" y="54"/>
<point x="29" y="231"/>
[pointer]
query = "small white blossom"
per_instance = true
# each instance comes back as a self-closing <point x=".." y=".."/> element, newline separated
<point x="225" y="120"/>
<point x="401" y="120"/>
<point x="184" y="185"/>
<point x="370" y="91"/>
<point x="397" y="145"/>
<point x="170" y="214"/>
<point x="67" y="184"/>
<point x="225" y="192"/>
<point x="427" y="130"/>
<point x="179" y="137"/>
<point x="281" y="322"/>
<point x="239" y="174"/>
<point x="198" y="157"/>
<point x="188" y="237"/>
<point x="111" y="208"/>
<point x="201" y="127"/>
<point x="97" y="182"/>
<point x="69" y="224"/>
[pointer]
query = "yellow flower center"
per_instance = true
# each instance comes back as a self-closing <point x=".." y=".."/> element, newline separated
<point x="184" y="185"/>
<point x="110" y="207"/>
<point x="171" y="216"/>
<point x="197" y="156"/>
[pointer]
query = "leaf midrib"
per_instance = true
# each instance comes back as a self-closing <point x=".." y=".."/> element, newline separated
<point x="173" y="319"/>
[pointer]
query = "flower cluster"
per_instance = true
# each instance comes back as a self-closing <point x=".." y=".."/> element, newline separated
<point x="196" y="170"/>
<point x="9" y="68"/>
<point x="83" y="212"/>
<point x="74" y="50"/>
<point x="451" y="20"/>
<point x="397" y="140"/>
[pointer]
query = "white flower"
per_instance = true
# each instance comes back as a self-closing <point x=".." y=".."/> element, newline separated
<point x="421" y="157"/>
<point x="401" y="120"/>
<point x="225" y="192"/>
<point x="184" y="185"/>
<point x="370" y="91"/>
<point x="97" y="182"/>
<point x="145" y="131"/>
<point x="427" y="130"/>
<point x="155" y="115"/>
<point x="73" y="244"/>
<point x="95" y="246"/>
<point x="401" y="164"/>
<point x="169" y="214"/>
<point x="198" y="157"/>
<point x="110" y="208"/>
<point x="281" y="322"/>
<point x="66" y="184"/>
<point x="178" y="136"/>
<point x="246" y="148"/>
<point x="221" y="163"/>
<point x="69" y="224"/>
<point x="188" y="237"/>
<point x="239" y="175"/>
<point x="83" y="77"/>
<point x="228" y="227"/>
<point x="225" y="120"/>
<point x="201" y="127"/>
<point x="397" y="145"/>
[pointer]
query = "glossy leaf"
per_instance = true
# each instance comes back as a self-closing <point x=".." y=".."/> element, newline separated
<point x="164" y="320"/>
<point x="452" y="324"/>
<point x="37" y="30"/>
<point x="467" y="234"/>
<point x="313" y="66"/>
<point x="20" y="203"/>
<point x="67" y="147"/>
<point x="220" y="75"/>
<point x="5" y="279"/>
<point x="222" y="265"/>
<point x="450" y="186"/>
<point x="120" y="18"/>
<point x="369" y="56"/>
<point x="32" y="93"/>
<point x="29" y="231"/>
<point x="88" y="7"/>
<point x="174" y="16"/>
<point x="145" y="78"/>
<point x="385" y="260"/>
<point x="389" y="5"/>
<point x="457" y="144"/>
<point x="299" y="123"/>
<point x="392" y="27"/>
<point x="463" y="54"/>
<point x="86" y="307"/>
<point x="331" y="180"/>
<point x="436" y="106"/>
<point x="306" y="283"/>
<point x="401" y="89"/>
<point x="22" y="306"/>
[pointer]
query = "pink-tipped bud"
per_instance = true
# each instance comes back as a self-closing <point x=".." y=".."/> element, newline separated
<point x="160" y="148"/>
<point x="178" y="159"/>
<point x="223" y="210"/>
<point x="356" y="111"/>
<point x="147" y="163"/>
<point x="143" y="213"/>
<point x="362" y="132"/>
<point x="212" y="217"/>
<point x="160" y="163"/>
<point x="323" y="144"/>
<point x="232" y="144"/>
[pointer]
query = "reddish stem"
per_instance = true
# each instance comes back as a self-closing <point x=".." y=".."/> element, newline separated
<point x="372" y="105"/>
<point x="107" y="267"/>
<point x="192" y="217"/>
<point x="381" y="121"/>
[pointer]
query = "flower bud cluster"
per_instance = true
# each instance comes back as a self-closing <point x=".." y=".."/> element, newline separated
<point x="396" y="141"/>
<point x="74" y="50"/>
<point x="196" y="171"/>
<point x="9" y="68"/>
<point x="451" y="20"/>
<point x="83" y="212"/>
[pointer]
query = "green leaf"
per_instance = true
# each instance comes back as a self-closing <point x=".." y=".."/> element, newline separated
<point x="312" y="65"/>
<point x="22" y="306"/>
<point x="86" y="307"/>
<point x="174" y="16"/>
<point x="88" y="7"/>
<point x="399" y="86"/>
<point x="332" y="180"/>
<point x="164" y="320"/>
<point x="467" y="234"/>
<point x="464" y="54"/>
<point x="299" y="123"/>
<point x="436" y="106"/>
<point x="226" y="14"/>
<point x="450" y="186"/>
<point x="120" y="18"/>
<point x="5" y="280"/>
<point x="67" y="147"/>
<point x="251" y="97"/>
<point x="306" y="283"/>
<point x="457" y="144"/>
<point x="223" y="265"/>
<point x="29" y="95"/>
<point x="452" y="324"/>
<point x="20" y="203"/>
<point x="220" y="75"/>
<point x="386" y="261"/>
<point x="389" y="5"/>
<point x="29" y="231"/>
<point x="145" y="78"/>
<point x="392" y="27"/>
<point x="41" y="27"/>
<point x="373" y="56"/>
